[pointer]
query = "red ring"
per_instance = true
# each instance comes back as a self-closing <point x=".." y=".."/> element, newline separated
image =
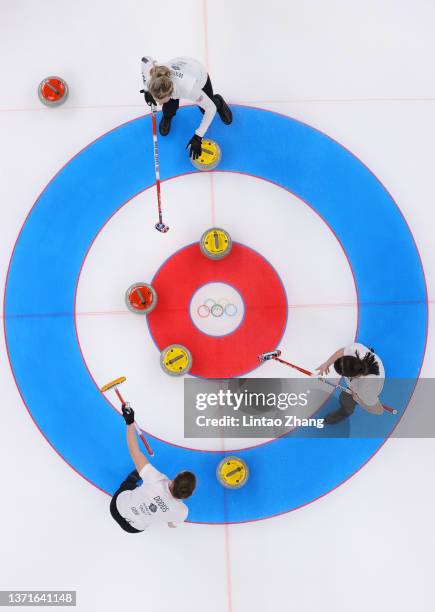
<point x="264" y="298"/>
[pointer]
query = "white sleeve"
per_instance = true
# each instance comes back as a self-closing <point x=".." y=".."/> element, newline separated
<point x="181" y="516"/>
<point x="149" y="474"/>
<point x="209" y="107"/>
<point x="369" y="390"/>
<point x="147" y="63"/>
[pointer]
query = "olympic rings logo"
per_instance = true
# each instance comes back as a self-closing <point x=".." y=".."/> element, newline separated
<point x="217" y="308"/>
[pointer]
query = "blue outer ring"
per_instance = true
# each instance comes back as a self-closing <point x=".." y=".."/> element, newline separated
<point x="40" y="331"/>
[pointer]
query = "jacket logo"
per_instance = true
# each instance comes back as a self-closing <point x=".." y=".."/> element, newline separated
<point x="161" y="504"/>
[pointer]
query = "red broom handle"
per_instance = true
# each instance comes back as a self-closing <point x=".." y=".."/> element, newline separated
<point x="121" y="399"/>
<point x="144" y="440"/>
<point x="156" y="161"/>
<point x="308" y="373"/>
<point x="295" y="367"/>
<point x="142" y="437"/>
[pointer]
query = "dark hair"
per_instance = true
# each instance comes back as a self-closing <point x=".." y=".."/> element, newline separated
<point x="183" y="485"/>
<point x="355" y="366"/>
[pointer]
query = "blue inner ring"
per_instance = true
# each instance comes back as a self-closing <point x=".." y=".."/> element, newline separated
<point x="40" y="332"/>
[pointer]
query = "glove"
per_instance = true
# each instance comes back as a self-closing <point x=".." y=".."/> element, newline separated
<point x="128" y="414"/>
<point x="195" y="146"/>
<point x="148" y="98"/>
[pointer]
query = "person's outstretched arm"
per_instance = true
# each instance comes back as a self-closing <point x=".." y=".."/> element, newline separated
<point x="209" y="106"/>
<point x="147" y="63"/>
<point x="324" y="367"/>
<point x="377" y="408"/>
<point x="137" y="455"/>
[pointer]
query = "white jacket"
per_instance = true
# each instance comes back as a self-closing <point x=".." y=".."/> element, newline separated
<point x="188" y="77"/>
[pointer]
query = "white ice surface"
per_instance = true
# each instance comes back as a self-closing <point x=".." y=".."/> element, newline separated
<point x="362" y="73"/>
<point x="321" y="292"/>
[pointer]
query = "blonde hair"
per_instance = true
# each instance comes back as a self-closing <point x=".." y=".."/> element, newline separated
<point x="160" y="85"/>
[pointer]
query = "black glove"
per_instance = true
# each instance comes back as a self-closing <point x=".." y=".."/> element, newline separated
<point x="128" y="413"/>
<point x="148" y="98"/>
<point x="195" y="146"/>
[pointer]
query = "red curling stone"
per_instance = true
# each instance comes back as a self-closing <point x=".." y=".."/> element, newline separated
<point x="53" y="91"/>
<point x="141" y="298"/>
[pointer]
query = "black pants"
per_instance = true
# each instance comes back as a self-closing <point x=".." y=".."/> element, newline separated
<point x="170" y="108"/>
<point x="128" y="484"/>
<point x="347" y="404"/>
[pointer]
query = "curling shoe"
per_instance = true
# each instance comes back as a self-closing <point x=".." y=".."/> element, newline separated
<point x="165" y="125"/>
<point x="223" y="109"/>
